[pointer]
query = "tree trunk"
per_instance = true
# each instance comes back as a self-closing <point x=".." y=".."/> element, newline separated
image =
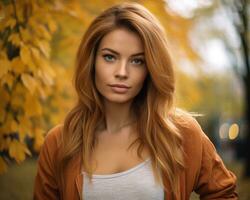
<point x="243" y="34"/>
<point x="247" y="120"/>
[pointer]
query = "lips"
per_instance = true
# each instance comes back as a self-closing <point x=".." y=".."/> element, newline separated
<point x="119" y="88"/>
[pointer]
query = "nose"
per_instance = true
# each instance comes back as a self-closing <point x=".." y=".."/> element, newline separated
<point x="121" y="70"/>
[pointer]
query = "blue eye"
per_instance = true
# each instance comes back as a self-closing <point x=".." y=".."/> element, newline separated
<point x="108" y="57"/>
<point x="138" y="61"/>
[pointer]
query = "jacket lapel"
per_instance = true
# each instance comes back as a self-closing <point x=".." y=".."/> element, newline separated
<point x="79" y="184"/>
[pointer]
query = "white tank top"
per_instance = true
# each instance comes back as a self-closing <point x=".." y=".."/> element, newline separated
<point x="136" y="183"/>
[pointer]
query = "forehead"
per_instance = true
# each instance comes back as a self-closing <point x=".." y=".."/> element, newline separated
<point x="122" y="41"/>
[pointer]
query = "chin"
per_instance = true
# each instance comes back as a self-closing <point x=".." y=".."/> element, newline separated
<point x="117" y="99"/>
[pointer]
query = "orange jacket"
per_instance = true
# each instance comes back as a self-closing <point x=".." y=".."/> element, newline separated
<point x="205" y="172"/>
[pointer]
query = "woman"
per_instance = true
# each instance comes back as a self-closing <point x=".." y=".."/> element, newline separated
<point x="124" y="139"/>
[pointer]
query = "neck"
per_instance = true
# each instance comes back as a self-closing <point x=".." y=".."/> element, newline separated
<point x="118" y="116"/>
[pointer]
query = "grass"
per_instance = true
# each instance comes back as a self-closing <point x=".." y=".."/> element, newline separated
<point x="17" y="183"/>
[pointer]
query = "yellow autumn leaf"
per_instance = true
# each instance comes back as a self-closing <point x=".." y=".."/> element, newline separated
<point x="4" y="143"/>
<point x="17" y="65"/>
<point x="11" y="23"/>
<point x="24" y="128"/>
<point x="1" y="140"/>
<point x="26" y="36"/>
<point x="43" y="32"/>
<point x="17" y="101"/>
<point x="13" y="126"/>
<point x="17" y="150"/>
<point x="26" y="122"/>
<point x="46" y="72"/>
<point x="32" y="23"/>
<point x="5" y="66"/>
<point x="3" y="55"/>
<point x="44" y="46"/>
<point x="7" y="127"/>
<point x="48" y="68"/>
<point x="39" y="139"/>
<point x="47" y="79"/>
<point x="42" y="92"/>
<point x="22" y="133"/>
<point x="2" y="114"/>
<point x="35" y="53"/>
<point x="5" y="97"/>
<point x="26" y="58"/>
<point x="3" y="166"/>
<point x="37" y="57"/>
<point x="32" y="106"/>
<point x="29" y="82"/>
<point x="52" y="26"/>
<point x="7" y="79"/>
<point x="25" y="54"/>
<point x="19" y="89"/>
<point x="14" y="39"/>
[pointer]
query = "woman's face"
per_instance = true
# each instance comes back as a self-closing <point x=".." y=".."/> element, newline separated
<point x="120" y="68"/>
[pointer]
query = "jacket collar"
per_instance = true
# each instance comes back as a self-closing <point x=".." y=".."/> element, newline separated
<point x="79" y="184"/>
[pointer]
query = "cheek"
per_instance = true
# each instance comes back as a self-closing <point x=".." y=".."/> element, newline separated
<point x="98" y="75"/>
<point x="98" y="79"/>
<point x="101" y="77"/>
<point x="142" y="76"/>
<point x="98" y="69"/>
<point x="140" y="80"/>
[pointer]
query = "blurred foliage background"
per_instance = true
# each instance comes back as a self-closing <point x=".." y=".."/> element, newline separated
<point x="208" y="43"/>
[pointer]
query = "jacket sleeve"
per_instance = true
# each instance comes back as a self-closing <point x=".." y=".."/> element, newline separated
<point x="214" y="180"/>
<point x="45" y="186"/>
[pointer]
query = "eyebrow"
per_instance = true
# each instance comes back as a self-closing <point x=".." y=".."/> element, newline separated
<point x="115" y="52"/>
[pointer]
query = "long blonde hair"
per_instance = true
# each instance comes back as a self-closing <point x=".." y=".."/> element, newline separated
<point x="153" y="105"/>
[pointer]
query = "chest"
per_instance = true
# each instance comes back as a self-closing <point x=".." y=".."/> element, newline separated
<point x="124" y="185"/>
<point x="113" y="155"/>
